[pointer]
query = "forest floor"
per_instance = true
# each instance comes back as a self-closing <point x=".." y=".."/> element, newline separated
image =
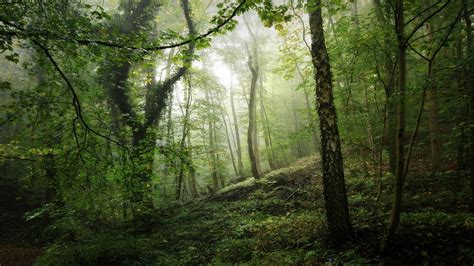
<point x="19" y="239"/>
<point x="279" y="219"/>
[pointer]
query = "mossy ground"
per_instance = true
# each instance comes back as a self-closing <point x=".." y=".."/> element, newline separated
<point x="279" y="219"/>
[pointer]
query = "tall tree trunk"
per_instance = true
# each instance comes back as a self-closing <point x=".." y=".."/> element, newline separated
<point x="432" y="99"/>
<point x="394" y="219"/>
<point x="266" y="130"/>
<point x="252" y="129"/>
<point x="296" y="126"/>
<point x="240" y="165"/>
<point x="184" y="151"/>
<point x="212" y="148"/>
<point x="229" y="144"/>
<point x="192" y="172"/>
<point x="311" y="118"/>
<point x="388" y="83"/>
<point x="335" y="196"/>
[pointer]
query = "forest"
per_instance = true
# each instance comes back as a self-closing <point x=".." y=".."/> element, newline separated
<point x="222" y="132"/>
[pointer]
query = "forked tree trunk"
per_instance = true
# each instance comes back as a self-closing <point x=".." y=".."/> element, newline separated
<point x="335" y="196"/>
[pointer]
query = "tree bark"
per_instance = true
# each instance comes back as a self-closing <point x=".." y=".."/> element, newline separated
<point x="252" y="129"/>
<point x="335" y="196"/>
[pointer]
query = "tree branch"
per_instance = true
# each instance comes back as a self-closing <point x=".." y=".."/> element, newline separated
<point x="213" y="30"/>
<point x="75" y="98"/>
<point x="417" y="27"/>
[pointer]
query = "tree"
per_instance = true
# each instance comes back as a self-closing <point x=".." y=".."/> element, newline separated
<point x="388" y="81"/>
<point x="337" y="211"/>
<point x="394" y="219"/>
<point x="240" y="165"/>
<point x="252" y="128"/>
<point x="115" y="80"/>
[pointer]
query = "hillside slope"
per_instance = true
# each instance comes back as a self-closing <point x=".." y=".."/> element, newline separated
<point x="278" y="219"/>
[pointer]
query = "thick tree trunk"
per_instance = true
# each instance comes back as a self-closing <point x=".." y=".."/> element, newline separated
<point x="394" y="219"/>
<point x="252" y="129"/>
<point x="337" y="212"/>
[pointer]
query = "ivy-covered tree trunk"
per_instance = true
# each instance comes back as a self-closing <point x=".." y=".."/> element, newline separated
<point x="115" y="77"/>
<point x="335" y="196"/>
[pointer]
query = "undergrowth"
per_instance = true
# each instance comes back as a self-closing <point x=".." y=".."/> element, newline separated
<point x="279" y="219"/>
